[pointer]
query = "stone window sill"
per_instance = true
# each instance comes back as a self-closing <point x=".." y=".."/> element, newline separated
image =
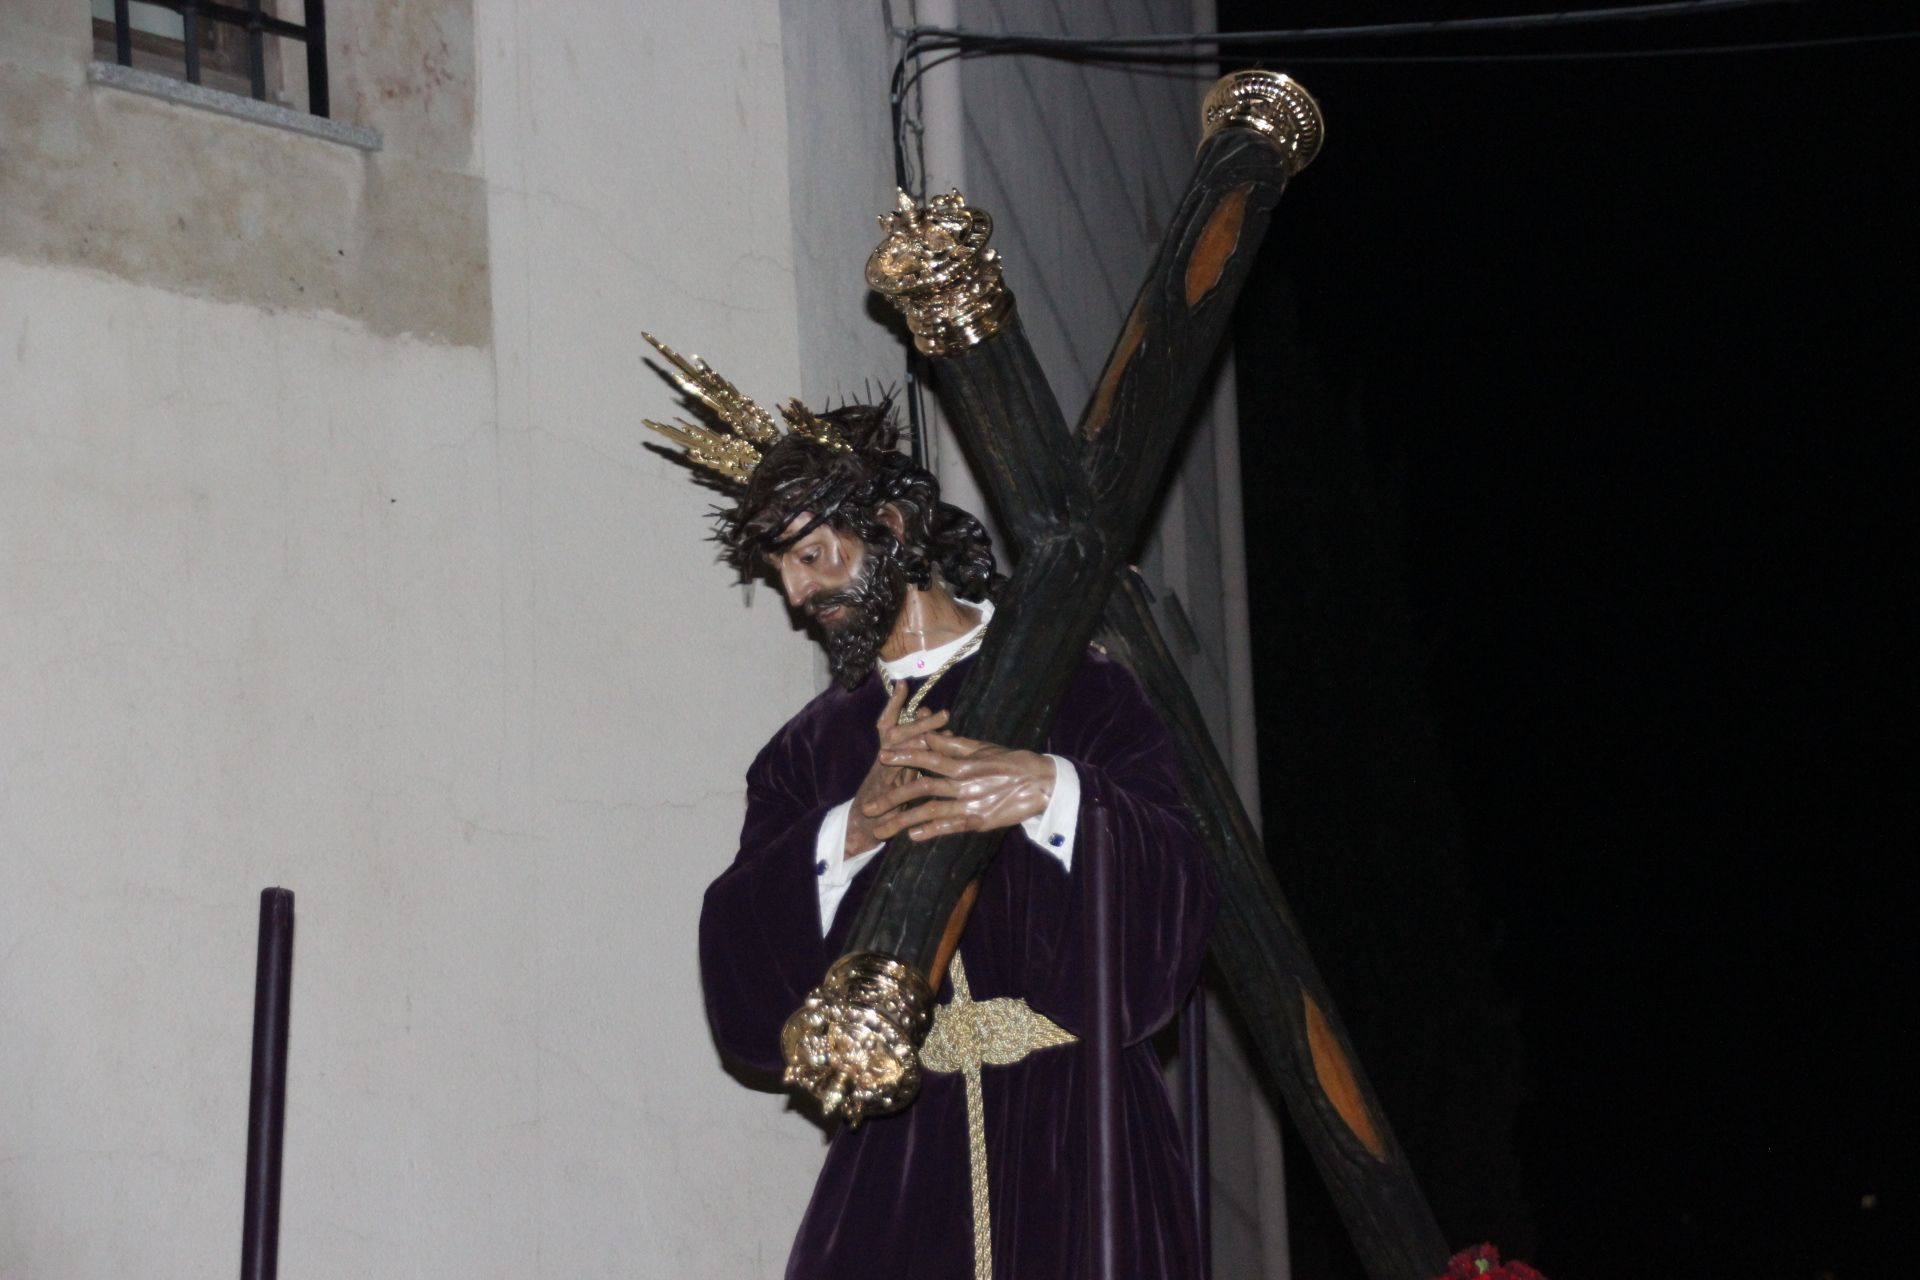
<point x="154" y="85"/>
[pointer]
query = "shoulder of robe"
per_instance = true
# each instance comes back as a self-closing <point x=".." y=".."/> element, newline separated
<point x="828" y="712"/>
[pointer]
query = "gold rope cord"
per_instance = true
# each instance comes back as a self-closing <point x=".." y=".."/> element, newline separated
<point x="967" y="1035"/>
<point x="911" y="712"/>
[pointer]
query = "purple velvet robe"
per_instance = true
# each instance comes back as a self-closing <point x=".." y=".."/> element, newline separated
<point x="893" y="1199"/>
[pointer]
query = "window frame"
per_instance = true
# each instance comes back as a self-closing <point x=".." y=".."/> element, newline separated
<point x="256" y="25"/>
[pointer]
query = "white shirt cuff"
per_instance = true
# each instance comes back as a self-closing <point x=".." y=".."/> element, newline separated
<point x="833" y="871"/>
<point x="1053" y="828"/>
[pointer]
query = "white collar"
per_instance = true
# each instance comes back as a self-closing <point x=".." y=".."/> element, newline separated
<point x="916" y="666"/>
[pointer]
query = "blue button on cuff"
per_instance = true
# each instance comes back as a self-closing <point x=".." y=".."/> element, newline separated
<point x="1057" y="840"/>
<point x="820" y="867"/>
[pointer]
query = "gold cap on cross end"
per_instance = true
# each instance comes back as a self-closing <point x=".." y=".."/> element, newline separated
<point x="1273" y="105"/>
<point x="934" y="265"/>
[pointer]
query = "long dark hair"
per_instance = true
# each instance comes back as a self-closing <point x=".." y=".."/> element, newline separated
<point x="847" y="490"/>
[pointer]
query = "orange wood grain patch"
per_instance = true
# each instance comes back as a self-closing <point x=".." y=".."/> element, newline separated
<point x="1218" y="239"/>
<point x="1130" y="339"/>
<point x="1335" y="1073"/>
<point x="950" y="940"/>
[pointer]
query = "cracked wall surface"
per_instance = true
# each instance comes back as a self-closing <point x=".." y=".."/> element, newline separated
<point x="158" y="193"/>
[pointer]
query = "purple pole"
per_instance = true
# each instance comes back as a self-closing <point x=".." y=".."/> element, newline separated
<point x="267" y="1100"/>
<point x="1103" y="1049"/>
<point x="1193" y="1081"/>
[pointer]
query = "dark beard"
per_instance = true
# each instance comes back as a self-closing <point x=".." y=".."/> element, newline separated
<point x="872" y="603"/>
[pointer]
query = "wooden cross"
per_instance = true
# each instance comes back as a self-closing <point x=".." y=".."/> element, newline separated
<point x="1074" y="504"/>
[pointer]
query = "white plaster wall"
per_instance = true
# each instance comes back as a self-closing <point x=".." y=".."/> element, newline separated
<point x="426" y="634"/>
<point x="636" y="160"/>
<point x="251" y="636"/>
<point x="840" y="165"/>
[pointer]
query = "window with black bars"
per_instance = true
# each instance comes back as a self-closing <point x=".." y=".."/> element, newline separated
<point x="236" y="47"/>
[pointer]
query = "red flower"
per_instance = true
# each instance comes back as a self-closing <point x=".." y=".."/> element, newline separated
<point x="1482" y="1262"/>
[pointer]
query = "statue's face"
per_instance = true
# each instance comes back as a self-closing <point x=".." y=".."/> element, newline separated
<point x="818" y="572"/>
<point x="852" y="590"/>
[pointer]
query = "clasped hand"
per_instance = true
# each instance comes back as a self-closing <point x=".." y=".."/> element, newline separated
<point x="929" y="782"/>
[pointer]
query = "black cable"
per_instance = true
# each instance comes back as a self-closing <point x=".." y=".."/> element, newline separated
<point x="898" y="89"/>
<point x="1103" y="53"/>
<point x="1605" y="55"/>
<point x="1432" y="26"/>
